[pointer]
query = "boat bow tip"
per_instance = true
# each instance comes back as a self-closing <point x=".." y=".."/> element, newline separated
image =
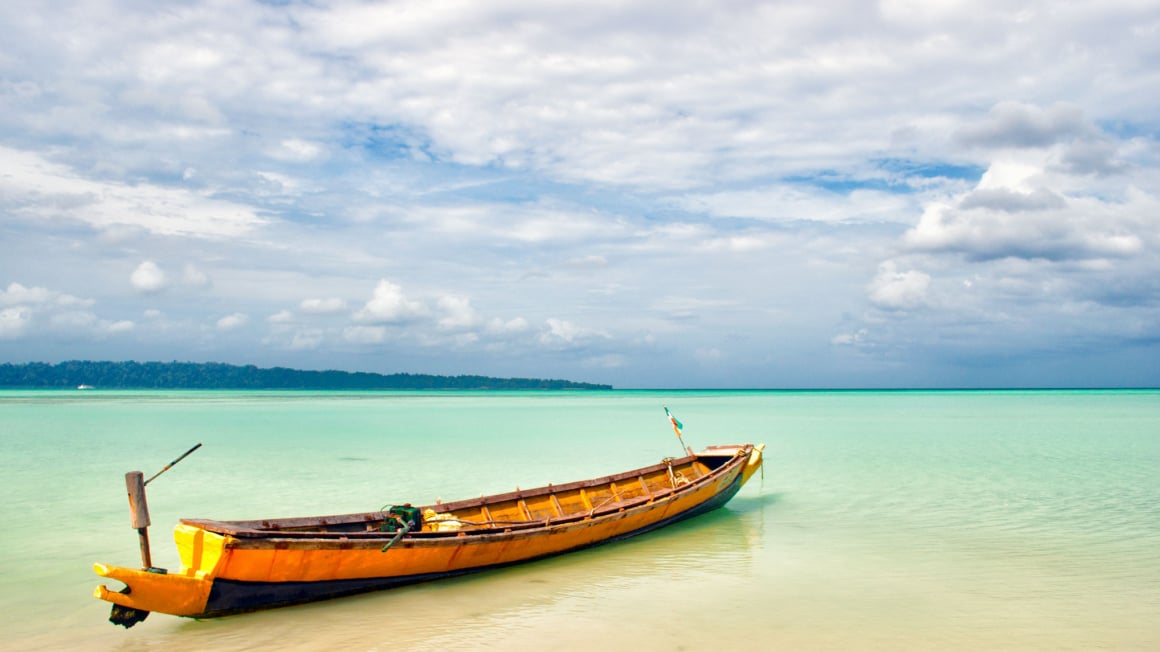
<point x="178" y="594"/>
<point x="754" y="463"/>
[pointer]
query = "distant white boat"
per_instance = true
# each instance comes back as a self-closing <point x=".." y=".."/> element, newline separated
<point x="84" y="386"/>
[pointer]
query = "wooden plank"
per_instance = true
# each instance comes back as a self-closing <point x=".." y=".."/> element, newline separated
<point x="135" y="485"/>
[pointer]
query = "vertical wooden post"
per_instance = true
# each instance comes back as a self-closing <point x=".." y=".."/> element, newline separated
<point x="135" y="483"/>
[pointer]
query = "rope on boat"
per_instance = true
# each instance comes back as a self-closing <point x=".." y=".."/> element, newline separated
<point x="491" y="522"/>
<point x="592" y="512"/>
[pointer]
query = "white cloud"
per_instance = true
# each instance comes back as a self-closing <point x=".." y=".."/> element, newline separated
<point x="1020" y="210"/>
<point x="73" y="320"/>
<point x="500" y="326"/>
<point x="148" y="278"/>
<point x="388" y="304"/>
<point x="297" y="150"/>
<point x="787" y="203"/>
<point x="232" y="322"/>
<point x="41" y="189"/>
<point x="457" y="313"/>
<point x="854" y="338"/>
<point x="896" y="290"/>
<point x="14" y="322"/>
<point x="561" y="332"/>
<point x="37" y="309"/>
<point x="365" y="334"/>
<point x="590" y="261"/>
<point x="307" y="340"/>
<point x="1014" y="175"/>
<point x="123" y="326"/>
<point x="194" y="277"/>
<point x="17" y="294"/>
<point x="1011" y="124"/>
<point x="752" y="162"/>
<point x="322" y="306"/>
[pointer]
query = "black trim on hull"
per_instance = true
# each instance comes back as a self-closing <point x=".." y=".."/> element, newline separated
<point x="228" y="597"/>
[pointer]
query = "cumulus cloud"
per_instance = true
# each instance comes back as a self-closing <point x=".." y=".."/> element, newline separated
<point x="14" y="322"/>
<point x="1012" y="201"/>
<point x="193" y="277"/>
<point x="322" y="306"/>
<point x="18" y="294"/>
<point x="1011" y="124"/>
<point x="892" y="289"/>
<point x="27" y="311"/>
<point x="148" y="278"/>
<point x="500" y="326"/>
<point x="307" y="339"/>
<point x="232" y="322"/>
<point x="563" y="333"/>
<point x="556" y="161"/>
<point x="1057" y="230"/>
<point x="39" y="188"/>
<point x="365" y="334"/>
<point x="560" y="330"/>
<point x="993" y="223"/>
<point x="850" y="339"/>
<point x="298" y="150"/>
<point x="388" y="304"/>
<point x="457" y="313"/>
<point x="122" y="326"/>
<point x="1098" y="156"/>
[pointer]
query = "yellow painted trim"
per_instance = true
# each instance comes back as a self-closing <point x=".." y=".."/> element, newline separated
<point x="199" y="550"/>
<point x="753" y="464"/>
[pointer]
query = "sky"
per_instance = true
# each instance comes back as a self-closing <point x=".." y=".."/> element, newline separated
<point x="729" y="194"/>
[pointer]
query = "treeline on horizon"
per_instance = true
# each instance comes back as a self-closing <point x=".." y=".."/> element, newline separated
<point x="217" y="375"/>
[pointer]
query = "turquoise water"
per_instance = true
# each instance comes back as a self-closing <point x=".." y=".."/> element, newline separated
<point x="885" y="520"/>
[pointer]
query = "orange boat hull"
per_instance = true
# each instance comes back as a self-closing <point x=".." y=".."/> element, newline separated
<point x="232" y="567"/>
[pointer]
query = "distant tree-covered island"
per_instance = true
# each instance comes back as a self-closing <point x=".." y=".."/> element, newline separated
<point x="216" y="375"/>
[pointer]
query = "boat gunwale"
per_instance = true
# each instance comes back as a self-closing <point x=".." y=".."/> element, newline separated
<point x="271" y="530"/>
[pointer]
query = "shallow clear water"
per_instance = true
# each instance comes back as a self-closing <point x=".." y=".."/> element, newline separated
<point x="885" y="520"/>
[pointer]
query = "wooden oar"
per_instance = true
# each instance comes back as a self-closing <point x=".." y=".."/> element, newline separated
<point x="170" y="465"/>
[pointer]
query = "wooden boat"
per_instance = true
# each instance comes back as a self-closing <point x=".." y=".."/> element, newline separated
<point x="236" y="566"/>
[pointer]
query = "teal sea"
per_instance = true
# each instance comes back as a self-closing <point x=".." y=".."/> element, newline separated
<point x="1008" y="520"/>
